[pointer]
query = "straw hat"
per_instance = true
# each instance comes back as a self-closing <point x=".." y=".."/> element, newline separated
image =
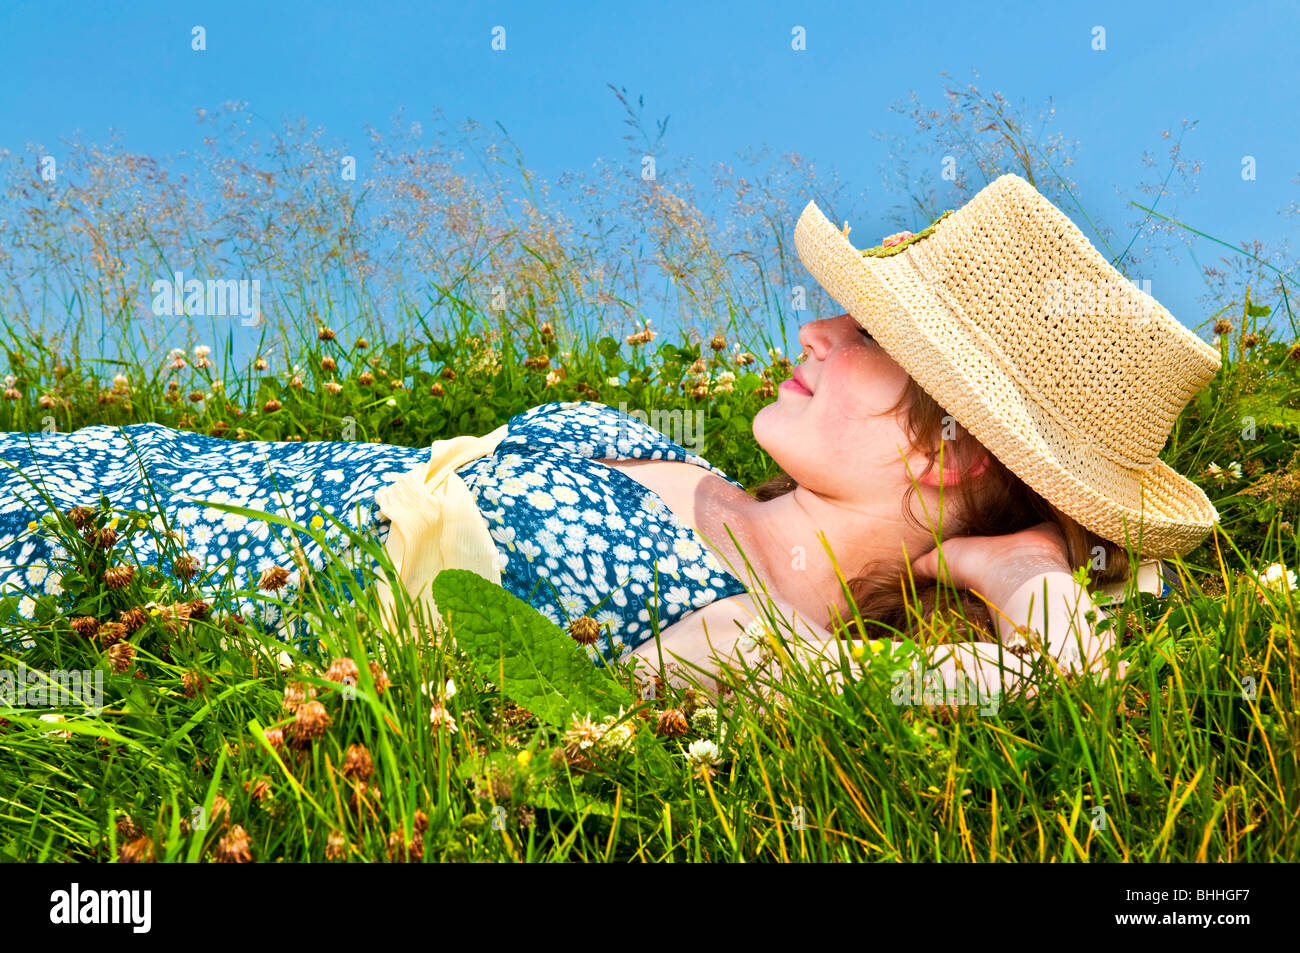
<point x="1063" y="369"/>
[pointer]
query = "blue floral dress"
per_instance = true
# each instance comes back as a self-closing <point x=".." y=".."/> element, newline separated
<point x="580" y="538"/>
<point x="576" y="537"/>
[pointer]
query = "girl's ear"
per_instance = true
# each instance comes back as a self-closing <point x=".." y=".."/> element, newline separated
<point x="952" y="475"/>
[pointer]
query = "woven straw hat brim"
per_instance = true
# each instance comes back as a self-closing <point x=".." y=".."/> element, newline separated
<point x="1161" y="512"/>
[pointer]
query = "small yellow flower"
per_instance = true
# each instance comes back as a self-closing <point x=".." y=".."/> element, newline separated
<point x="524" y="758"/>
<point x="32" y="525"/>
<point x="861" y="653"/>
<point x="317" y="521"/>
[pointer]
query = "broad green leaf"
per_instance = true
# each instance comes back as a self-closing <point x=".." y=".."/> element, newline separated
<point x="536" y="663"/>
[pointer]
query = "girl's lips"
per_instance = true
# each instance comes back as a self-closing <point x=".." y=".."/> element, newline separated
<point x="794" y="385"/>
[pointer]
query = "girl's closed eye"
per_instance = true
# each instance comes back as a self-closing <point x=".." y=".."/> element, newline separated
<point x="866" y="334"/>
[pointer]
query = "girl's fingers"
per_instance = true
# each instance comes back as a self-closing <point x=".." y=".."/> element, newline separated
<point x="927" y="566"/>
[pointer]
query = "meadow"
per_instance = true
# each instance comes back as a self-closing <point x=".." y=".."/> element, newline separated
<point x="486" y="742"/>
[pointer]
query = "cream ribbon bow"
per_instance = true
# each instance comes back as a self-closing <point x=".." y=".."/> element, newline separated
<point x="436" y="524"/>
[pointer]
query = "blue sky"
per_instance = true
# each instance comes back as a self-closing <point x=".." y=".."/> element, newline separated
<point x="724" y="72"/>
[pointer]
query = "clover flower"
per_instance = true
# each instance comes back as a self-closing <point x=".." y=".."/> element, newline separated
<point x="705" y="720"/>
<point x="57" y="718"/>
<point x="1277" y="578"/>
<point x="756" y="636"/>
<point x="358" y="763"/>
<point x="671" y="723"/>
<point x="446" y="694"/>
<point x="233" y="848"/>
<point x="703" y="756"/>
<point x="581" y="735"/>
<point x="617" y="737"/>
<point x="440" y="716"/>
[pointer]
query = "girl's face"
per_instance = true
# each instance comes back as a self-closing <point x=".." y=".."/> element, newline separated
<point x="836" y="441"/>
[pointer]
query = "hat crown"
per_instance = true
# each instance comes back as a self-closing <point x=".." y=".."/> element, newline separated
<point x="1099" y="354"/>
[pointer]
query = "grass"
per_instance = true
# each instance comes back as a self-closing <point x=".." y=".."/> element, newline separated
<point x="196" y="754"/>
<point x="217" y="742"/>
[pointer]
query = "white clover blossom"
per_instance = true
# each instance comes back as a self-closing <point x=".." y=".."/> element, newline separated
<point x="705" y="720"/>
<point x="581" y="734"/>
<point x="618" y="737"/>
<point x="756" y="636"/>
<point x="703" y="752"/>
<point x="438" y="714"/>
<point x="433" y="690"/>
<point x="58" y="719"/>
<point x="1277" y="576"/>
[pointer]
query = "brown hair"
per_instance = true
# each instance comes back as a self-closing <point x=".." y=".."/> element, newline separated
<point x="996" y="503"/>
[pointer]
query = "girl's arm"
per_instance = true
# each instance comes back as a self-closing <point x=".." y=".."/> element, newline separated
<point x="961" y="673"/>
<point x="1045" y="627"/>
<point x="981" y="674"/>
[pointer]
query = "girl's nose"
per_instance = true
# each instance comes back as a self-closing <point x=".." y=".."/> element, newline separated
<point x="817" y="337"/>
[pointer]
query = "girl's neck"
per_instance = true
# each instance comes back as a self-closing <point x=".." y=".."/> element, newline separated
<point x="779" y="537"/>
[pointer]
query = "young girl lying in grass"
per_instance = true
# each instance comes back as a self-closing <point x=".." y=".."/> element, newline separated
<point x="614" y="531"/>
